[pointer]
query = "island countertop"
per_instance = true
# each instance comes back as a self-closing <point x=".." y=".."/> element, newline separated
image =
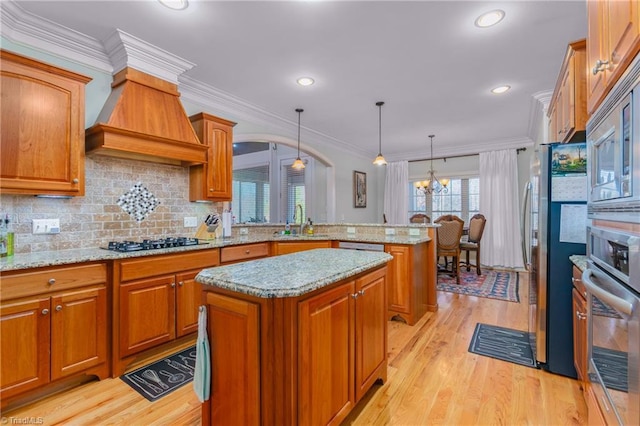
<point x="293" y="274"/>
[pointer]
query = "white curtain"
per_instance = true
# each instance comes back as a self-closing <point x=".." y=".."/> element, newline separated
<point x="499" y="204"/>
<point x="396" y="193"/>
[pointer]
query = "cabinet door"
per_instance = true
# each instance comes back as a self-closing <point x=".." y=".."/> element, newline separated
<point x="579" y="335"/>
<point x="78" y="331"/>
<point x="213" y="180"/>
<point x="24" y="347"/>
<point x="596" y="51"/>
<point x="187" y="303"/>
<point x="234" y="334"/>
<point x="622" y="30"/>
<point x="371" y="330"/>
<point x="147" y="314"/>
<point x="42" y="125"/>
<point x="399" y="285"/>
<point x="326" y="356"/>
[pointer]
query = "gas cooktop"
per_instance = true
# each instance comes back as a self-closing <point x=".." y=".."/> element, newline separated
<point x="127" y="246"/>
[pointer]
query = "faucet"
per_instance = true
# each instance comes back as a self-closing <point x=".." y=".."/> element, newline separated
<point x="295" y="214"/>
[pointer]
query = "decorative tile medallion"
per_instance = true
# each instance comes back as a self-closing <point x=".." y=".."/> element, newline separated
<point x="138" y="202"/>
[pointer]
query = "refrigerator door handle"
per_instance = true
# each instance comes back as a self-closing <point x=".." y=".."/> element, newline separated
<point x="523" y="222"/>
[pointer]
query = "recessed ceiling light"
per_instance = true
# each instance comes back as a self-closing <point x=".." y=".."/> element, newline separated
<point x="305" y="81"/>
<point x="175" y="4"/>
<point x="500" y="89"/>
<point x="490" y="18"/>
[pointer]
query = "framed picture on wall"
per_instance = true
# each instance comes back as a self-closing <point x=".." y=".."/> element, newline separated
<point x="359" y="189"/>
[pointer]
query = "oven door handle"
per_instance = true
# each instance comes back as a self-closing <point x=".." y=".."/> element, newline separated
<point x="612" y="300"/>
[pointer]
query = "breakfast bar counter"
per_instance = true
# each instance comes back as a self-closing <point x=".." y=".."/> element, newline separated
<point x="297" y="338"/>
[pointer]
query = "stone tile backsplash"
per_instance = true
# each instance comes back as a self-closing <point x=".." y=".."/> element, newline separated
<point x="95" y="219"/>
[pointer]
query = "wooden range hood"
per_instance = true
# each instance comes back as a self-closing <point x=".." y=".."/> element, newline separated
<point x="143" y="119"/>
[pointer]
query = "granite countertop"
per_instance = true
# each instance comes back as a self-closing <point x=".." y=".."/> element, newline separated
<point x="65" y="257"/>
<point x="579" y="260"/>
<point x="293" y="274"/>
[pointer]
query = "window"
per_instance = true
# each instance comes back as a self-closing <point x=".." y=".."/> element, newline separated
<point x="293" y="192"/>
<point x="462" y="200"/>
<point x="251" y="191"/>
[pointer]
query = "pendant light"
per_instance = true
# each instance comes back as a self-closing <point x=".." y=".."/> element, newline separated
<point x="379" y="161"/>
<point x="298" y="164"/>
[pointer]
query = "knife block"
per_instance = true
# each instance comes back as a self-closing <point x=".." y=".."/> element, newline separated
<point x="205" y="232"/>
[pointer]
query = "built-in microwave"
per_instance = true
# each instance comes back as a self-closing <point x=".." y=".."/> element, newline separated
<point x="613" y="141"/>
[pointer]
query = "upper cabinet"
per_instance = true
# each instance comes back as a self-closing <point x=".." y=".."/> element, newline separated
<point x="212" y="181"/>
<point x="568" y="107"/>
<point x="42" y="127"/>
<point x="613" y="41"/>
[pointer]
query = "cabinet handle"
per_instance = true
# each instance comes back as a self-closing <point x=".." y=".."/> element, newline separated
<point x="75" y="180"/>
<point x="58" y="308"/>
<point x="180" y="283"/>
<point x="580" y="315"/>
<point x="600" y="66"/>
<point x="210" y="189"/>
<point x="173" y="285"/>
<point x="45" y="311"/>
<point x="361" y="292"/>
<point x="247" y="251"/>
<point x="354" y="295"/>
<point x="52" y="281"/>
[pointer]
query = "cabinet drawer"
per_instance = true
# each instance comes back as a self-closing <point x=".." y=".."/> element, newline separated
<point x="577" y="282"/>
<point x="167" y="264"/>
<point x="244" y="252"/>
<point x="54" y="279"/>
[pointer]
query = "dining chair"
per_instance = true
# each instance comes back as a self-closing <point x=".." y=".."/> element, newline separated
<point x="448" y="236"/>
<point x="419" y="218"/>
<point x="476" y="229"/>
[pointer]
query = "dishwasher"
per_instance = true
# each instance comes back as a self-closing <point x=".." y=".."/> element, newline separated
<point x="360" y="246"/>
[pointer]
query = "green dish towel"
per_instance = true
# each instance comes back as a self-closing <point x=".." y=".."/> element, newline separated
<point x="202" y="374"/>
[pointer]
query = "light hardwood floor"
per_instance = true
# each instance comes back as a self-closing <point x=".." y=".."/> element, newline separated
<point x="433" y="380"/>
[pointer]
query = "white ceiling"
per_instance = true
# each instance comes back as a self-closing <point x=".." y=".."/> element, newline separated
<point x="425" y="59"/>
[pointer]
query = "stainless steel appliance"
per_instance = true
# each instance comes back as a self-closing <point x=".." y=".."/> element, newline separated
<point x="128" y="246"/>
<point x="613" y="137"/>
<point x="612" y="281"/>
<point x="556" y="210"/>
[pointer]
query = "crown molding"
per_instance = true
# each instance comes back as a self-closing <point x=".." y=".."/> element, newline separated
<point x="21" y="27"/>
<point x="125" y="50"/>
<point x="538" y="110"/>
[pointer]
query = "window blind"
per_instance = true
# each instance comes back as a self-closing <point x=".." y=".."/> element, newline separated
<point x="293" y="192"/>
<point x="251" y="189"/>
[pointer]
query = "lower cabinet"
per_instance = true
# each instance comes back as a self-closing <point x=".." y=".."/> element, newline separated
<point x="408" y="285"/>
<point x="54" y="329"/>
<point x="304" y="360"/>
<point x="157" y="302"/>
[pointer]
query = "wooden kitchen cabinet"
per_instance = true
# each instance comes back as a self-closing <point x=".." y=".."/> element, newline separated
<point x="212" y="181"/>
<point x="243" y="252"/>
<point x="156" y="302"/>
<point x="305" y="360"/>
<point x="54" y="326"/>
<point x="613" y="41"/>
<point x="568" y="107"/>
<point x="42" y="127"/>
<point x="408" y="281"/>
<point x="286" y="247"/>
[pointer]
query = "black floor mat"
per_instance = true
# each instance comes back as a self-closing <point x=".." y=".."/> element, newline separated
<point x="613" y="367"/>
<point x="162" y="377"/>
<point x="502" y="343"/>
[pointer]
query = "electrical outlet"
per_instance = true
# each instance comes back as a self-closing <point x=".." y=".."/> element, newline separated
<point x="244" y="231"/>
<point x="414" y="232"/>
<point x="46" y="226"/>
<point x="190" y="222"/>
<point x="351" y="229"/>
<point x="389" y="231"/>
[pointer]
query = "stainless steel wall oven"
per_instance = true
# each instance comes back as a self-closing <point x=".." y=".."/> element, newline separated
<point x="612" y="280"/>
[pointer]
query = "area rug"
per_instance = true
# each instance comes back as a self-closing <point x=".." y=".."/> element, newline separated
<point x="163" y="377"/>
<point x="502" y="343"/>
<point x="613" y="367"/>
<point x="492" y="284"/>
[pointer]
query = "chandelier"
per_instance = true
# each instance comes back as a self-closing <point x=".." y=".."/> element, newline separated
<point x="432" y="185"/>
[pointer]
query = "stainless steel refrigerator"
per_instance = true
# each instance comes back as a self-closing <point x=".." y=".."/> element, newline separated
<point x="554" y="224"/>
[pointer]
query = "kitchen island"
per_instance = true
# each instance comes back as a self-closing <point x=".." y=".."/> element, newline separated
<point x="297" y="338"/>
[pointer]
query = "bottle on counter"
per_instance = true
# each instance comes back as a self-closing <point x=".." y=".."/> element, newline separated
<point x="309" y="226"/>
<point x="287" y="228"/>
